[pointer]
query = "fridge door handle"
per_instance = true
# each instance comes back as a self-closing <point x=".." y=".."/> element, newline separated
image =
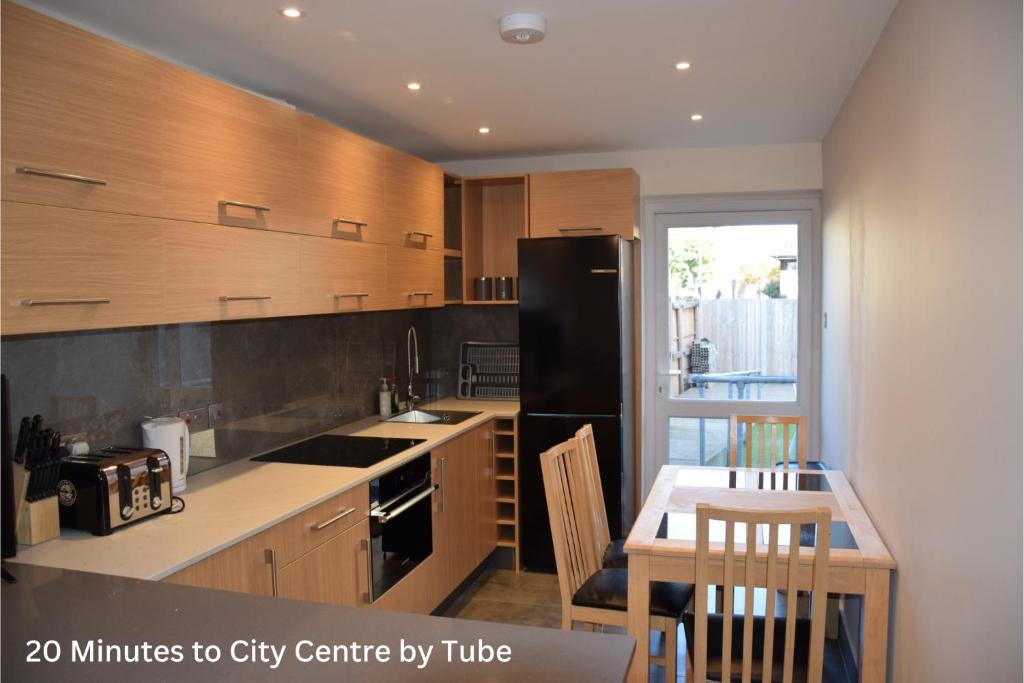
<point x="604" y="271"/>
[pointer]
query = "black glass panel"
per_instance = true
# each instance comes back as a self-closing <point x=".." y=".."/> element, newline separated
<point x="338" y="450"/>
<point x="682" y="526"/>
<point x="754" y="480"/>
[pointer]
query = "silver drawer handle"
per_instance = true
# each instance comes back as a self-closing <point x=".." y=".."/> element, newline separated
<point x="420" y="294"/>
<point x="368" y="595"/>
<point x="386" y="516"/>
<point x="593" y="228"/>
<point x="350" y="221"/>
<point x="332" y="520"/>
<point x="60" y="176"/>
<point x="257" y="297"/>
<point x="243" y="205"/>
<point x="353" y="295"/>
<point x="420" y="233"/>
<point x="270" y="557"/>
<point x="599" y="271"/>
<point x="63" y="302"/>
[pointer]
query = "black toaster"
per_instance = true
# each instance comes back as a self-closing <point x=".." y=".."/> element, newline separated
<point x="102" y="491"/>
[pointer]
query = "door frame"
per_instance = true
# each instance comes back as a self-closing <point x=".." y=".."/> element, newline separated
<point x="654" y="448"/>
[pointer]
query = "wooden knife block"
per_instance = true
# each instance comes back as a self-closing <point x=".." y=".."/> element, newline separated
<point x="36" y="522"/>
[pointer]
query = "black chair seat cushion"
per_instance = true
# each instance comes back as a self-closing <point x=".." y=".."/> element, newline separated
<point x="607" y="589"/>
<point x="615" y="555"/>
<point x="801" y="646"/>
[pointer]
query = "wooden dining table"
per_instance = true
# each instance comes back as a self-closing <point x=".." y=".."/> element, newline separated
<point x="662" y="544"/>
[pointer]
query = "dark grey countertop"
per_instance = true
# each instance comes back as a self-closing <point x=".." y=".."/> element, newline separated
<point x="65" y="606"/>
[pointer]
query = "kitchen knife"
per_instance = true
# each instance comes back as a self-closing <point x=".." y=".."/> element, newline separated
<point x="23" y="432"/>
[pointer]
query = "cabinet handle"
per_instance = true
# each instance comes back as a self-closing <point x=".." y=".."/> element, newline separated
<point x="420" y="294"/>
<point x="257" y="297"/>
<point x="368" y="595"/>
<point x="63" y="302"/>
<point x="494" y="455"/>
<point x="604" y="271"/>
<point x="440" y="462"/>
<point x="244" y="205"/>
<point x="60" y="176"/>
<point x="270" y="556"/>
<point x="354" y="295"/>
<point x="350" y="221"/>
<point x="332" y="520"/>
<point x="591" y="228"/>
<point x="419" y="233"/>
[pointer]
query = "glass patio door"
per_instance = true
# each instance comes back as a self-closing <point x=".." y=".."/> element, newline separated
<point x="733" y="308"/>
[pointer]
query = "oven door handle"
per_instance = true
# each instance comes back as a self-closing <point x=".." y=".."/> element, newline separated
<point x="385" y="516"/>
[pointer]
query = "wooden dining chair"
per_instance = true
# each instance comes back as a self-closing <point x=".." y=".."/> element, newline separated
<point x="612" y="552"/>
<point x="590" y="593"/>
<point x="768" y="647"/>
<point x="768" y="453"/>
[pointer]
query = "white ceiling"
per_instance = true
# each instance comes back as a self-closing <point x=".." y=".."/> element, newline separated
<point x="764" y="71"/>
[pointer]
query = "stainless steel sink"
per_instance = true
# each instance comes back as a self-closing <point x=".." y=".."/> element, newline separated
<point x="447" y="417"/>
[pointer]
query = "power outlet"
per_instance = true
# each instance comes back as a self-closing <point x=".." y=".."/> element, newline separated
<point x="198" y="419"/>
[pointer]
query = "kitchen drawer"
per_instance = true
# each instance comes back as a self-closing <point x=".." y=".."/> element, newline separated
<point x="415" y="277"/>
<point x="78" y="110"/>
<point x="228" y="157"/>
<point x="340" y="276"/>
<point x="100" y="265"/>
<point x="581" y="203"/>
<point x="300" y="534"/>
<point x="221" y="273"/>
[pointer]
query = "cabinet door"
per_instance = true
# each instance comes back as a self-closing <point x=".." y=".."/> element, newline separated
<point x="228" y="157"/>
<point x="414" y="210"/>
<point x="242" y="568"/>
<point x="82" y="107"/>
<point x="579" y="203"/>
<point x="220" y="273"/>
<point x="340" y="276"/>
<point x="415" y="277"/>
<point x="334" y="573"/>
<point x="342" y="184"/>
<point x="65" y="269"/>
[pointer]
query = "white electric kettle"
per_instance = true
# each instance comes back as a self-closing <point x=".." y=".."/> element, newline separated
<point x="170" y="434"/>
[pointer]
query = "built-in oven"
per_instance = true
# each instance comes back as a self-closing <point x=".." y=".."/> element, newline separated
<point x="400" y="523"/>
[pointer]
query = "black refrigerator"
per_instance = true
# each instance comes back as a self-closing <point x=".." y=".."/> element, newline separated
<point x="576" y="366"/>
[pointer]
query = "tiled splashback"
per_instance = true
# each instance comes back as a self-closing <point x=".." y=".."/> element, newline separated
<point x="276" y="380"/>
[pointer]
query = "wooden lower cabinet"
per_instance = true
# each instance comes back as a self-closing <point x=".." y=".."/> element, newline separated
<point x="242" y="568"/>
<point x="334" y="573"/>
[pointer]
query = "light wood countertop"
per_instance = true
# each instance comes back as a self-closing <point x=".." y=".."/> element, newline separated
<point x="230" y="503"/>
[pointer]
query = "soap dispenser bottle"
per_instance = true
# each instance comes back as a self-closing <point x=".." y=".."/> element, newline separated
<point x="385" y="398"/>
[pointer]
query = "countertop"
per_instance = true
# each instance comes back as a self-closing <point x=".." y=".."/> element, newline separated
<point x="51" y="604"/>
<point x="232" y="502"/>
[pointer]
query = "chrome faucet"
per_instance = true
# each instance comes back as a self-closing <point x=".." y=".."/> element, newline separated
<point x="412" y="353"/>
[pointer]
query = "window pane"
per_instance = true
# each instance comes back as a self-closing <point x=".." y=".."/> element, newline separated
<point x="698" y="441"/>
<point x="733" y="316"/>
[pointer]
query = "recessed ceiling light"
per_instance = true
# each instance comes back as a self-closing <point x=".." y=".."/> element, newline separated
<point x="291" y="13"/>
<point x="682" y="66"/>
<point x="483" y="130"/>
<point x="696" y="117"/>
<point x="413" y="86"/>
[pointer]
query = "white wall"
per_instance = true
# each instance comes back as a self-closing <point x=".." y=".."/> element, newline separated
<point x="687" y="170"/>
<point x="922" y="355"/>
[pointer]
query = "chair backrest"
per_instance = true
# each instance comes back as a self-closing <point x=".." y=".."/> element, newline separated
<point x="565" y="490"/>
<point x="772" y="434"/>
<point x="770" y="571"/>
<point x="592" y="474"/>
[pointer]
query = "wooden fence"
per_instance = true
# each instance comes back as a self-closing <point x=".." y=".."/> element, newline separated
<point x="748" y="334"/>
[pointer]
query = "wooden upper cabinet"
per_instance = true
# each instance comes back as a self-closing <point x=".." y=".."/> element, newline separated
<point x="65" y="269"/>
<point x="81" y="118"/>
<point x="220" y="273"/>
<point x="577" y="203"/>
<point x="414" y="208"/>
<point x="415" y="277"/>
<point x="229" y="157"/>
<point x="339" y="276"/>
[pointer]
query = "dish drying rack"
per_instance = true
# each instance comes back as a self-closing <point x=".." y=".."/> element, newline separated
<point x="488" y="370"/>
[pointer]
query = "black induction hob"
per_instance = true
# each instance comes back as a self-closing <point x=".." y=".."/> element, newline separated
<point x="337" y="450"/>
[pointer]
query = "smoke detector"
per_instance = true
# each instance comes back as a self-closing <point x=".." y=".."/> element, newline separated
<point x="523" y="28"/>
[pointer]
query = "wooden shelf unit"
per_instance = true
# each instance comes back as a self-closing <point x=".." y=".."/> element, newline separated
<point x="453" y="290"/>
<point x="506" y="475"/>
<point x="495" y="214"/>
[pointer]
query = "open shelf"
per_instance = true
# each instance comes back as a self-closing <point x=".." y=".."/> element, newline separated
<point x="452" y="240"/>
<point x="506" y="484"/>
<point x="495" y="214"/>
